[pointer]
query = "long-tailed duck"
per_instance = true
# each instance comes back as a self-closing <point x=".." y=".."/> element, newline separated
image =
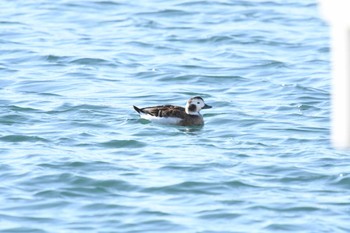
<point x="169" y="114"/>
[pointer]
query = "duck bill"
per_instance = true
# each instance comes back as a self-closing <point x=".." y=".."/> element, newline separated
<point x="206" y="106"/>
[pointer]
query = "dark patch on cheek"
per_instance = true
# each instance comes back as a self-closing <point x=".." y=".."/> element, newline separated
<point x="192" y="108"/>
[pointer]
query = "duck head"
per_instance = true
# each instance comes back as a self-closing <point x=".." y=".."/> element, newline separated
<point x="195" y="104"/>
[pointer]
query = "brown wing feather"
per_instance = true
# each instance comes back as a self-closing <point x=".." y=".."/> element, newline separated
<point x="165" y="111"/>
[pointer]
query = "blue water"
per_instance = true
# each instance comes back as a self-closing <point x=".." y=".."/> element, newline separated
<point x="75" y="157"/>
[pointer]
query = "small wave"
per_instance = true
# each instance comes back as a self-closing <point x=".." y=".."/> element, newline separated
<point x="167" y="13"/>
<point x="66" y="107"/>
<point x="13" y="119"/>
<point x="219" y="214"/>
<point x="108" y="3"/>
<point x="22" y="138"/>
<point x="22" y="229"/>
<point x="23" y="109"/>
<point x="159" y="225"/>
<point x="198" y="187"/>
<point x="202" y="3"/>
<point x="57" y="59"/>
<point x="91" y="61"/>
<point x="342" y="180"/>
<point x="270" y="64"/>
<point x="123" y="144"/>
<point x="187" y="186"/>
<point x="77" y="185"/>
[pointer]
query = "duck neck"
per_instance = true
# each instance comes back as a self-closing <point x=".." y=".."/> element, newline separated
<point x="192" y="113"/>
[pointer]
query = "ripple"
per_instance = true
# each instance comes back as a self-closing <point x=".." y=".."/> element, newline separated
<point x="22" y="138"/>
<point x="219" y="214"/>
<point x="92" y="61"/>
<point x="167" y="13"/>
<point x="198" y="188"/>
<point x="74" y="186"/>
<point x="123" y="144"/>
<point x="342" y="181"/>
<point x="25" y="229"/>
<point x="13" y="119"/>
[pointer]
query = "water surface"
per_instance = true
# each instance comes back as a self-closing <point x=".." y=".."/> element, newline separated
<point x="75" y="157"/>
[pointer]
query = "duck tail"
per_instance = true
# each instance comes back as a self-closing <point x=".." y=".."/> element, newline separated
<point x="137" y="109"/>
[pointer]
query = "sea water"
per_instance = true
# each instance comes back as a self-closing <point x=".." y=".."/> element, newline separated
<point x="75" y="157"/>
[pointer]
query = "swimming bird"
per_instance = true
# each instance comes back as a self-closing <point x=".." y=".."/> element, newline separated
<point x="170" y="114"/>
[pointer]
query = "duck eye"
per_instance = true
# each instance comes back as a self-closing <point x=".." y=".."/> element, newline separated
<point x="198" y="103"/>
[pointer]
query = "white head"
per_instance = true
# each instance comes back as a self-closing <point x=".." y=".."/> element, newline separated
<point x="194" y="105"/>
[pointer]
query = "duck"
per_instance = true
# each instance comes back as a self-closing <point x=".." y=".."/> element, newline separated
<point x="176" y="115"/>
